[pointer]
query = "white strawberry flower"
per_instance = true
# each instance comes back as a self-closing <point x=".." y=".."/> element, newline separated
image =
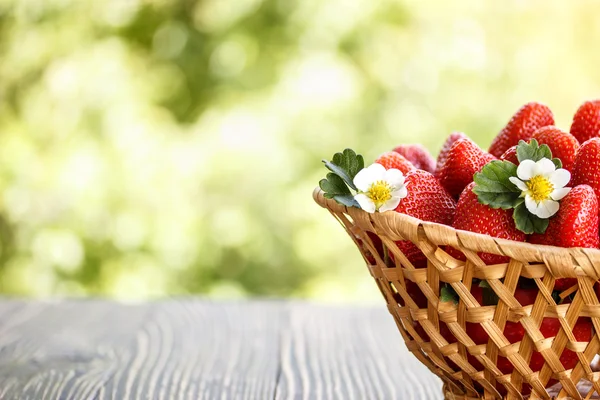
<point x="542" y="186"/>
<point x="379" y="189"/>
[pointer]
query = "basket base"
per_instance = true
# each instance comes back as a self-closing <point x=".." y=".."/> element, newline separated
<point x="584" y="389"/>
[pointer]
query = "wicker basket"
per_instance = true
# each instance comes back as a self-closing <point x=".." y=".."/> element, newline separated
<point x="450" y="361"/>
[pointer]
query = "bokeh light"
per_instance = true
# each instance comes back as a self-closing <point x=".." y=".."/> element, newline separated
<point x="164" y="147"/>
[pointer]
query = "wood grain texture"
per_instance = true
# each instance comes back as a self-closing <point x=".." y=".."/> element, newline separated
<point x="194" y="349"/>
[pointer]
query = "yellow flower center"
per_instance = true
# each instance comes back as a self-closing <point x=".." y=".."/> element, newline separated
<point x="539" y="188"/>
<point x="379" y="192"/>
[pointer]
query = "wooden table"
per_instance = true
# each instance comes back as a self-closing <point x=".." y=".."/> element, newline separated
<point x="198" y="349"/>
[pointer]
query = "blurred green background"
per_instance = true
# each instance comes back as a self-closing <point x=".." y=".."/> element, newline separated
<point x="154" y="147"/>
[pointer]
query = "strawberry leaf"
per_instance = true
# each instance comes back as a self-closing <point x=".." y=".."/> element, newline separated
<point x="335" y="188"/>
<point x="527" y="222"/>
<point x="532" y="151"/>
<point x="346" y="165"/>
<point x="493" y="186"/>
<point x="489" y="297"/>
<point x="447" y="293"/>
<point x="557" y="162"/>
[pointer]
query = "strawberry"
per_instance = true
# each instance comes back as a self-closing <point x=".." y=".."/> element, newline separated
<point x="446" y="149"/>
<point x="576" y="222"/>
<point x="587" y="165"/>
<point x="427" y="200"/>
<point x="574" y="225"/>
<point x="510" y="155"/>
<point x="464" y="159"/>
<point x="476" y="217"/>
<point x="563" y="145"/>
<point x="521" y="126"/>
<point x="586" y="122"/>
<point x="418" y="156"/>
<point x="415" y="293"/>
<point x="392" y="159"/>
<point x="514" y="332"/>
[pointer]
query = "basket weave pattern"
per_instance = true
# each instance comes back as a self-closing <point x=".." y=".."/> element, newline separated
<point x="449" y="360"/>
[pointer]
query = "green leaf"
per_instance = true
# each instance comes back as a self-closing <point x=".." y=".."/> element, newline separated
<point x="556" y="296"/>
<point x="340" y="172"/>
<point x="493" y="186"/>
<point x="557" y="162"/>
<point x="447" y="293"/>
<point x="346" y="165"/>
<point x="335" y="188"/>
<point x="333" y="185"/>
<point x="489" y="297"/>
<point x="527" y="222"/>
<point x="347" y="200"/>
<point x="532" y="151"/>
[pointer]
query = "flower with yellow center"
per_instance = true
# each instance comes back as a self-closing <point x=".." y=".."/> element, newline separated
<point x="379" y="189"/>
<point x="542" y="186"/>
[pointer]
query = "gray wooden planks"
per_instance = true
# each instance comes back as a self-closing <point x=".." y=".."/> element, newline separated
<point x="197" y="349"/>
<point x="341" y="352"/>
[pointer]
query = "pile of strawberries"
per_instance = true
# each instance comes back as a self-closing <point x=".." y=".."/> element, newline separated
<point x="442" y="191"/>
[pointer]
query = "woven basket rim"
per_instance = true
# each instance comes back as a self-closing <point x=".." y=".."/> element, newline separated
<point x="588" y="259"/>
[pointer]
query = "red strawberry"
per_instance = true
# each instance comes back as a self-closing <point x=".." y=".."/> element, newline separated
<point x="418" y="156"/>
<point x="514" y="332"/>
<point x="576" y="222"/>
<point x="586" y="122"/>
<point x="574" y="225"/>
<point x="415" y="293"/>
<point x="427" y="200"/>
<point x="586" y="170"/>
<point x="464" y="159"/>
<point x="563" y="145"/>
<point x="510" y="155"/>
<point x="446" y="149"/>
<point x="521" y="126"/>
<point x="392" y="159"/>
<point x="476" y="217"/>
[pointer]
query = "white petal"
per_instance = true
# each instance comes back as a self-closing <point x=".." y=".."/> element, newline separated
<point x="526" y="170"/>
<point x="560" y="178"/>
<point x="558" y="194"/>
<point x="365" y="202"/>
<point x="548" y="208"/>
<point x="401" y="193"/>
<point x="391" y="204"/>
<point x="518" y="183"/>
<point x="544" y="167"/>
<point x="531" y="205"/>
<point x="394" y="177"/>
<point x="543" y="209"/>
<point x="367" y="176"/>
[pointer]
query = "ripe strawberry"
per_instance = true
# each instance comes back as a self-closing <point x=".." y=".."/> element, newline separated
<point x="415" y="293"/>
<point x="418" y="156"/>
<point x="576" y="222"/>
<point x="446" y="149"/>
<point x="427" y="200"/>
<point x="563" y="145"/>
<point x="476" y="217"/>
<point x="521" y="126"/>
<point x="510" y="155"/>
<point x="587" y="165"/>
<point x="586" y="122"/>
<point x="574" y="225"/>
<point x="464" y="159"/>
<point x="514" y="332"/>
<point x="392" y="159"/>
